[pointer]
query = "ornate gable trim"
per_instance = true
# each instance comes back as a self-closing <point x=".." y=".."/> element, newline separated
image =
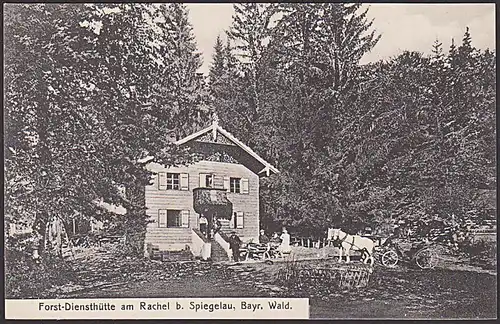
<point x="214" y="132"/>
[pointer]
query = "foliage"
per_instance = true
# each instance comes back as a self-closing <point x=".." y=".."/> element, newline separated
<point x="483" y="253"/>
<point x="25" y="278"/>
<point x="91" y="90"/>
<point x="356" y="145"/>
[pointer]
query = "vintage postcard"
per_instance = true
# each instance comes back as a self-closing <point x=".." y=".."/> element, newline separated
<point x="250" y="161"/>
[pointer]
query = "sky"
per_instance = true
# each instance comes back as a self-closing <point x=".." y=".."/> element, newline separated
<point x="402" y="26"/>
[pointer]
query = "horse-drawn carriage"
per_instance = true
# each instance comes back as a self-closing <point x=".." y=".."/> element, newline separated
<point x="425" y="252"/>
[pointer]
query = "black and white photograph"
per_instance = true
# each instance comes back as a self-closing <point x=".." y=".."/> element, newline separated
<point x="247" y="158"/>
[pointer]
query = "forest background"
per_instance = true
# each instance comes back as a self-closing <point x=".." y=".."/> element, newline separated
<point x="91" y="89"/>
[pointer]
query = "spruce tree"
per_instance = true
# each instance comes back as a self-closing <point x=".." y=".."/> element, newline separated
<point x="95" y="108"/>
<point x="218" y="65"/>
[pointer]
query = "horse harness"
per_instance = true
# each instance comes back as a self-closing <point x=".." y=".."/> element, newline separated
<point x="338" y="243"/>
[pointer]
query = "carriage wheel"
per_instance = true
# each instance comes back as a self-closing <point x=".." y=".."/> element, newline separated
<point x="390" y="258"/>
<point x="426" y="259"/>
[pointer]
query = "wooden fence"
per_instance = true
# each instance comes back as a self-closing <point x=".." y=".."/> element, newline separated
<point x="297" y="275"/>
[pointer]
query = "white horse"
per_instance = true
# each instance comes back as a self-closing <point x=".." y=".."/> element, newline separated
<point x="346" y="242"/>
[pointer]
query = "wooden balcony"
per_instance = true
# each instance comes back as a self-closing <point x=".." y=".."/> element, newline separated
<point x="210" y="201"/>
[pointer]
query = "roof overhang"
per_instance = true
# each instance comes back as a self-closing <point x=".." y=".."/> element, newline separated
<point x="214" y="128"/>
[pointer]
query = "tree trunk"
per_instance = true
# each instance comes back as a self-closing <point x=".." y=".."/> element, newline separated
<point x="39" y="229"/>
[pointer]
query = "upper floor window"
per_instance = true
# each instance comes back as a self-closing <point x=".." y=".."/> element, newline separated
<point x="207" y="180"/>
<point x="235" y="185"/>
<point x="173" y="181"/>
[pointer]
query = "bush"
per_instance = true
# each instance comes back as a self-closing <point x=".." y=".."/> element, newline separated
<point x="482" y="252"/>
<point x="27" y="278"/>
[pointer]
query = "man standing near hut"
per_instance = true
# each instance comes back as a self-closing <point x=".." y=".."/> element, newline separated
<point x="234" y="245"/>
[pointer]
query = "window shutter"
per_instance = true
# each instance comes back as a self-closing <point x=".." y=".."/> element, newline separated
<point x="227" y="184"/>
<point x="244" y="186"/>
<point x="162" y="181"/>
<point x="184" y="181"/>
<point x="239" y="220"/>
<point x="218" y="182"/>
<point x="185" y="218"/>
<point x="162" y="218"/>
<point x="202" y="180"/>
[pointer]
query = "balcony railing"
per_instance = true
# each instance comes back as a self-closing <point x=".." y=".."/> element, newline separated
<point x="210" y="201"/>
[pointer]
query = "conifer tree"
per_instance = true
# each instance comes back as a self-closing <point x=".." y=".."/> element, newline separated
<point x="96" y="108"/>
<point x="312" y="115"/>
<point x="218" y="65"/>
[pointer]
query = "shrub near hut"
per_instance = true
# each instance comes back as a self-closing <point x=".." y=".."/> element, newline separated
<point x="28" y="278"/>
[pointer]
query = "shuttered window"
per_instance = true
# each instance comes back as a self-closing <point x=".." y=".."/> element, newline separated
<point x="206" y="180"/>
<point x="173" y="181"/>
<point x="173" y="218"/>
<point x="236" y="185"/>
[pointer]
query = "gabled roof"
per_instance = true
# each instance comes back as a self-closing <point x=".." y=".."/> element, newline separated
<point x="214" y="128"/>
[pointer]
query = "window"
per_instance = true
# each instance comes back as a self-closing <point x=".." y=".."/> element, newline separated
<point x="173" y="218"/>
<point x="173" y="181"/>
<point x="236" y="220"/>
<point x="209" y="181"/>
<point x="206" y="180"/>
<point x="234" y="185"/>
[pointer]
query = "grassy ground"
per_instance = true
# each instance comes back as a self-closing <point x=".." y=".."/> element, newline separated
<point x="402" y="292"/>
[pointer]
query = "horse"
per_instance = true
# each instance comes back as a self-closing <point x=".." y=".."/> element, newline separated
<point x="346" y="242"/>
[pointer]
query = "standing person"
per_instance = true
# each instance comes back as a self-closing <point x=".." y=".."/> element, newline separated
<point x="263" y="239"/>
<point x="203" y="225"/>
<point x="217" y="225"/>
<point x="285" y="241"/>
<point x="234" y="245"/>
